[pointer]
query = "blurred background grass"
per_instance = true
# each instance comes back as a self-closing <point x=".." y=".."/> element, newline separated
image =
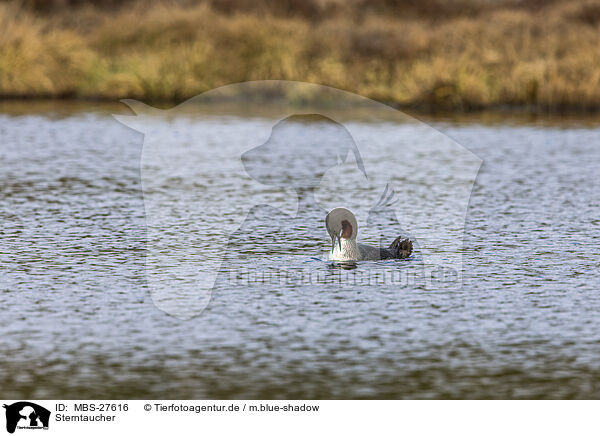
<point x="542" y="55"/>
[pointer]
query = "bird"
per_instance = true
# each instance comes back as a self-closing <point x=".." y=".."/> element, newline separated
<point x="342" y="226"/>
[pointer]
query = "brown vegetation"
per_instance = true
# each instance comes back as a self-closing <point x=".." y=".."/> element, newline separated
<point x="463" y="54"/>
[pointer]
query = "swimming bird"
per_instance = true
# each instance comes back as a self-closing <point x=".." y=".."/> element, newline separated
<point x="342" y="227"/>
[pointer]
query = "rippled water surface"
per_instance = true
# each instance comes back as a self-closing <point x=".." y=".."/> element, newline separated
<point x="77" y="319"/>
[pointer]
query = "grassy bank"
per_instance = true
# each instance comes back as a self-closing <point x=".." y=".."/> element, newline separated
<point x="472" y="54"/>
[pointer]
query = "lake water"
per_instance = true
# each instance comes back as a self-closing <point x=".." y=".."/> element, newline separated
<point x="79" y="318"/>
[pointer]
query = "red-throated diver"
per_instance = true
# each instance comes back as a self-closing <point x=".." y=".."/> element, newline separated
<point x="343" y="228"/>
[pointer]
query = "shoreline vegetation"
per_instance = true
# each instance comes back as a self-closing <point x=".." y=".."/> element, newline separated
<point x="461" y="55"/>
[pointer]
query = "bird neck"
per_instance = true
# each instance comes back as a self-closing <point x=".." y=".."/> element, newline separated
<point x="347" y="249"/>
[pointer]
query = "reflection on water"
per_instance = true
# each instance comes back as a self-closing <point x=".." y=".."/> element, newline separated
<point x="348" y="265"/>
<point x="77" y="320"/>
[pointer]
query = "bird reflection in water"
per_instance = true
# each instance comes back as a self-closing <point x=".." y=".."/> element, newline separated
<point x="343" y="265"/>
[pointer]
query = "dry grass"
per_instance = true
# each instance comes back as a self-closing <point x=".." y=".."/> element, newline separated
<point x="526" y="53"/>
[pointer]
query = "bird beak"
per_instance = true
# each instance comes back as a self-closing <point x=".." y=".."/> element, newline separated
<point x="337" y="238"/>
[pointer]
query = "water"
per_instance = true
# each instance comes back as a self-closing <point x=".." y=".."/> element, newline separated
<point x="78" y="320"/>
